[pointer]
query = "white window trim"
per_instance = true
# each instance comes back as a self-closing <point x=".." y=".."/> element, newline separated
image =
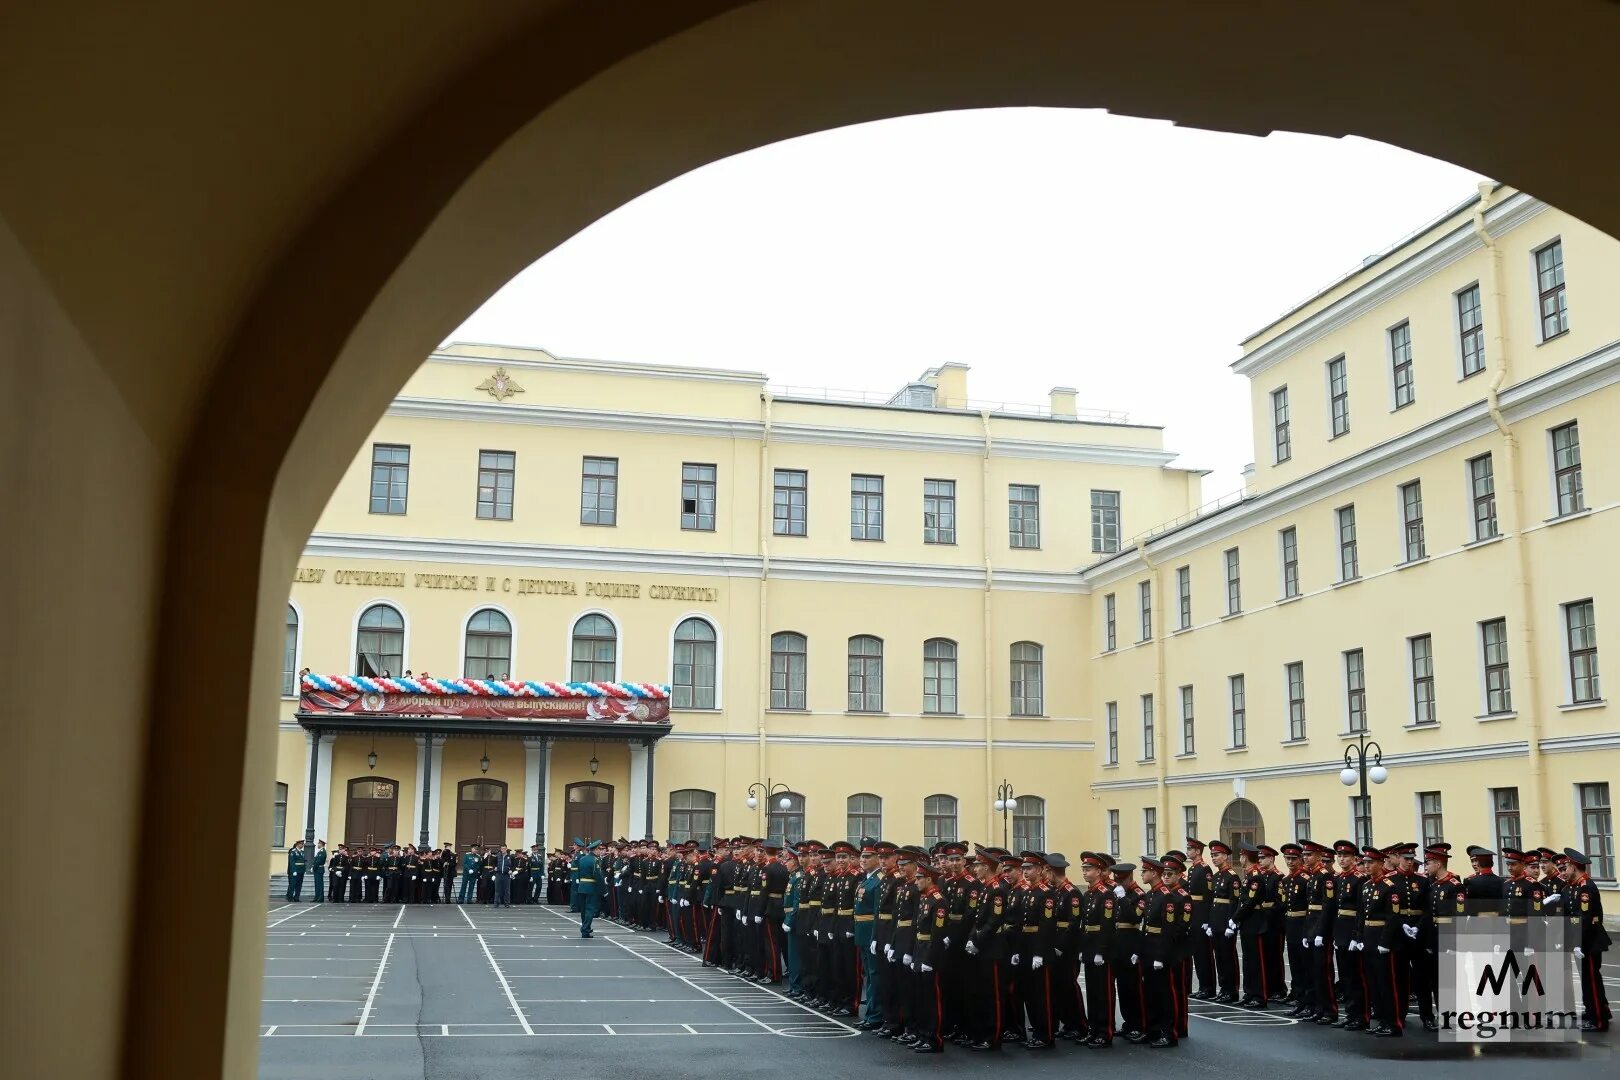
<point x="466" y="621"/>
<point x="354" y="633"/>
<point x="1580" y="827"/>
<point x="1289" y="405"/>
<point x="618" y="637"/>
<point x="1153" y="848"/>
<point x="1344" y="689"/>
<point x="1553" y="513"/>
<point x="1479" y="666"/>
<point x="1287" y="712"/>
<point x="1400" y="521"/>
<point x="1282" y="563"/>
<point x="1535" y="291"/>
<point x="298" y="646"/>
<point x="1146" y="706"/>
<point x="719" y="656"/>
<point x="1411" y="678"/>
<point x="1457" y="330"/>
<point x="1472" y="528"/>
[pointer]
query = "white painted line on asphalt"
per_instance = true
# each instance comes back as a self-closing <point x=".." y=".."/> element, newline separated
<point x="284" y="918"/>
<point x="511" y="1000"/>
<point x="609" y="1029"/>
<point x="365" y="1013"/>
<point x="272" y="1030"/>
<point x="400" y="916"/>
<point x="468" y="917"/>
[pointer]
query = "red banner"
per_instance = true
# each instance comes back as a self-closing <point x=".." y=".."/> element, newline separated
<point x="591" y="710"/>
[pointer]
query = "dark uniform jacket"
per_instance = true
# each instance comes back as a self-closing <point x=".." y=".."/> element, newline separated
<point x="1199" y="884"/>
<point x="1164" y="924"/>
<point x="1585" y="910"/>
<point x="1381" y="917"/>
<point x="990" y="927"/>
<point x="1097" y="924"/>
<point x="1444" y="903"/>
<point x="928" y="944"/>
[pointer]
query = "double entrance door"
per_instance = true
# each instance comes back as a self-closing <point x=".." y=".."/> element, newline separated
<point x="590" y="813"/>
<point x="373" y="812"/>
<point x="480" y="814"/>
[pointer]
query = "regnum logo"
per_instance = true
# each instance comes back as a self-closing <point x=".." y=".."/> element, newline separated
<point x="1507" y="980"/>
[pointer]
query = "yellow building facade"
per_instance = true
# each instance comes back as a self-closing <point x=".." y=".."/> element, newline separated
<point x="891" y="608"/>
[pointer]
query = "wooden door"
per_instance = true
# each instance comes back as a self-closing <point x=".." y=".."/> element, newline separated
<point x="1242" y="825"/>
<point x="590" y="812"/>
<point x="373" y="811"/>
<point x="480" y="814"/>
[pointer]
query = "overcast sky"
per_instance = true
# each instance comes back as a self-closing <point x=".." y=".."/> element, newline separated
<point x="1042" y="247"/>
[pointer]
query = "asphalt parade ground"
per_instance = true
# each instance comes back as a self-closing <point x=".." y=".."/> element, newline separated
<point x="379" y="991"/>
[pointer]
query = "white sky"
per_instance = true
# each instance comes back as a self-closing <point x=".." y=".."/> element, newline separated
<point x="1042" y="247"/>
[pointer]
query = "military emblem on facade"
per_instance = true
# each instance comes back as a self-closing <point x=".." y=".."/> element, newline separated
<point x="500" y="385"/>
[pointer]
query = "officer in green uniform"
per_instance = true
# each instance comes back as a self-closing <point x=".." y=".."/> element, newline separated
<point x="295" y="871"/>
<point x="472" y="861"/>
<point x="318" y="864"/>
<point x="790" y="908"/>
<point x="867" y="889"/>
<point x="573" y="875"/>
<point x="585" y="887"/>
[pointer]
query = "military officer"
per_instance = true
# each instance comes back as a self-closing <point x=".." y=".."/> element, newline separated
<point x="868" y="892"/>
<point x="1251" y="923"/>
<point x="982" y="952"/>
<point x="897" y="976"/>
<point x="1584" y="913"/>
<point x="318" y="867"/>
<point x="1483" y="888"/>
<point x="1225" y="892"/>
<point x="925" y="1031"/>
<point x="1345" y="889"/>
<point x="1443" y="903"/>
<point x="1294" y="900"/>
<point x="1097" y="947"/>
<point x="295" y="871"/>
<point x="1199" y="883"/>
<point x="774" y="877"/>
<point x="1068" y="1001"/>
<point x="1162" y="922"/>
<point x="1321" y="906"/>
<point x="1379" y="932"/>
<point x="586" y="882"/>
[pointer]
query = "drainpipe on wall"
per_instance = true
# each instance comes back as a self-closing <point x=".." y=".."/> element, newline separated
<point x="1161" y="700"/>
<point x="987" y="673"/>
<point x="765" y="518"/>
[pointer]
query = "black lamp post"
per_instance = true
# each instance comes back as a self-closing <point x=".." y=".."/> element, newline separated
<point x="767" y="791"/>
<point x="1005" y="804"/>
<point x="1364" y="761"/>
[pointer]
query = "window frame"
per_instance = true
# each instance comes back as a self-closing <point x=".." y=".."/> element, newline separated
<point x="871" y="671"/>
<point x="1556" y="291"/>
<point x="1111" y="732"/>
<point x="488" y="637"/>
<point x="404" y="637"/>
<point x="278" y="818"/>
<point x="1282" y="442"/>
<point x="1576" y="653"/>
<point x="1189" y="741"/>
<point x="933" y="832"/>
<point x="1288" y="542"/>
<point x="1021" y="514"/>
<point x="1403" y="373"/>
<point x="1470" y="336"/>
<point x="1414" y="538"/>
<point x="694" y="480"/>
<point x="1110" y="622"/>
<point x="291" y="646"/>
<point x="1113" y="833"/>
<point x="1021" y="818"/>
<point x="945" y="681"/>
<point x="1150" y="733"/>
<point x="1431" y="812"/>
<point x="1361" y="820"/>
<point x="1184" y="597"/>
<point x="1232" y="564"/>
<point x="1022" y="702"/>
<point x="780" y="639"/>
<point x="602" y="487"/>
<point x="397" y="475"/>
<point x="1105" y="520"/>
<point x="865" y="522"/>
<point x="496" y="470"/>
<point x="1150" y="830"/>
<point x="1144" y="599"/>
<point x="1338" y="380"/>
<point x="1237" y="703"/>
<point x="1344" y="519"/>
<point x="943" y="501"/>
<point x="593" y="662"/>
<point x="1483" y="504"/>
<point x="1572" y="501"/>
<point x="694" y="647"/>
<point x="1501" y="814"/>
<point x="679" y="834"/>
<point x="790" y="502"/>
<point x="1423" y="691"/>
<point x="1301" y="820"/>
<point x="1503" y="692"/>
<point x="1355" y="691"/>
<point x="1294" y="686"/>
<point x="858" y="819"/>
<point x="793" y="815"/>
<point x="1596" y="821"/>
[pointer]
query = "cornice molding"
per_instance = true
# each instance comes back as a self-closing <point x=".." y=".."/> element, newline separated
<point x="1578" y="744"/>
<point x="1486" y="752"/>
<point x="873" y="740"/>
<point x="596" y="367"/>
<point x="508" y="412"/>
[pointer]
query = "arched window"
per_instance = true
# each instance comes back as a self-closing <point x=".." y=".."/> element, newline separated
<point x="692" y="686"/>
<point x="865" y="817"/>
<point x="789" y="665"/>
<point x="489" y="646"/>
<point x="1028" y="679"/>
<point x="691" y="816"/>
<point x="939" y="819"/>
<point x="289" y="655"/>
<point x="380" y="644"/>
<point x="939" y="675"/>
<point x="1029" y="824"/>
<point x="278" y="818"/>
<point x="865" y="674"/>
<point x="786" y="826"/>
<point x="596" y="650"/>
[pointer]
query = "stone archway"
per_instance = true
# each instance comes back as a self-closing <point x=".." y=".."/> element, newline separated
<point x="1241" y="825"/>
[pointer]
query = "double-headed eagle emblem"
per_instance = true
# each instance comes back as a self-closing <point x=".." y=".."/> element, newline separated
<point x="500" y="385"/>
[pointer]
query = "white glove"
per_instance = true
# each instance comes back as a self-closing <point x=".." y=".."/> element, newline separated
<point x="924" y="968"/>
<point x="1580" y="953"/>
<point x="947" y="943"/>
<point x="1231" y="924"/>
<point x="1158" y="965"/>
<point x="1119" y="892"/>
<point x="1355" y="946"/>
<point x="1318" y="941"/>
<point x="1209" y="931"/>
<point x="739" y="915"/>
<point x="1014" y="959"/>
<point x="1382" y="950"/>
<point x="1133" y="959"/>
<point x="758" y="919"/>
<point x="873" y="949"/>
<point x="848" y="934"/>
<point x="1553" y="899"/>
<point x="1057" y="951"/>
<point x="1036" y="963"/>
<point x="1529" y="952"/>
<point x="686" y="903"/>
<point x="906" y="959"/>
<point x="1097" y="961"/>
<point x="660" y="898"/>
<point x="888" y="952"/>
<point x="1305" y="943"/>
<point x="1230" y="931"/>
<point x="787" y="928"/>
<point x="1410" y="931"/>
<point x="972" y="949"/>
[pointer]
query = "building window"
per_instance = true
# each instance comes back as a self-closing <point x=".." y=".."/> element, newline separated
<point x="865" y="674"/>
<point x="1295" y="673"/>
<point x="1400" y="354"/>
<point x="289" y="655"/>
<point x="1597" y="830"/>
<point x="1550" y="286"/>
<point x="1302" y="818"/>
<point x="1029" y="824"/>
<point x="599" y="491"/>
<point x="865" y="817"/>
<point x="866" y="507"/>
<point x="789" y="666"/>
<point x="596" y="650"/>
<point x="380" y="643"/>
<point x="784" y="827"/>
<point x="697" y="497"/>
<point x="1505" y="813"/>
<point x="1105" y="521"/>
<point x="1282" y="442"/>
<point x="1189" y="821"/>
<point x="939" y="676"/>
<point x="1429" y="818"/>
<point x="1113" y="833"/>
<point x="1188" y="746"/>
<point x="1349" y="565"/>
<point x="487" y="651"/>
<point x="1240" y="711"/>
<point x="1471" y="331"/>
<point x="1112" y="711"/>
<point x="1355" y="691"/>
<point x="1290" y="563"/>
<point x="1498" y="691"/>
<point x="1110" y="624"/>
<point x="1028" y="679"/>
<point x="1150" y="830"/>
<point x="1148" y="736"/>
<point x="497" y="470"/>
<point x="1144" y="597"/>
<point x="1184" y="597"/>
<point x="390" y="478"/>
<point x="1482" y="489"/>
<point x="1581" y="625"/>
<point x="691" y="816"/>
<point x="696" y="661"/>
<point x="790" y="507"/>
<point x="278" y="818"/>
<point x="1024" y="515"/>
<point x="1338" y="396"/>
<point x="939" y="819"/>
<point x="1234" y="582"/>
<point x="939" y="511"/>
<point x="1412" y="521"/>
<point x="1422" y="649"/>
<point x="1361" y="820"/>
<point x="1566" y="443"/>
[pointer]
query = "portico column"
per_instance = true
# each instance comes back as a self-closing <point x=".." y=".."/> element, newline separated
<point x="652" y="749"/>
<point x="640" y="815"/>
<point x="533" y="785"/>
<point x="545" y="789"/>
<point x="428" y="772"/>
<point x="319" y="808"/>
<point x="436" y="783"/>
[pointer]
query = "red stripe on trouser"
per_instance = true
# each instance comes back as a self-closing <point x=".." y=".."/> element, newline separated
<point x="1047" y="975"/>
<point x="1108" y="974"/>
<point x="1592" y="976"/>
<point x="708" y="941"/>
<point x="995" y="980"/>
<point x="1260" y="943"/>
<point x="939" y="1014"/>
<point x="1327" y="974"/>
<point x="770" y="947"/>
<point x="860" y="979"/>
<point x="1178" y="1003"/>
<point x="1141" y="996"/>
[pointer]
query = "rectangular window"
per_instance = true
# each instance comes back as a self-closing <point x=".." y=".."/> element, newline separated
<point x="497" y="470"/>
<point x="1566" y="442"/>
<point x="1338" y="396"/>
<point x="1597" y="830"/>
<point x="1482" y="490"/>
<point x="1412" y="521"/>
<point x="1234" y="582"/>
<point x="1184" y="596"/>
<point x="789" y="670"/>
<point x="278" y="818"/>
<point x="1349" y="564"/>
<point x="1147" y="728"/>
<point x="1189" y="821"/>
<point x="1361" y="820"/>
<point x="1113" y="833"/>
<point x="1355" y="691"/>
<point x="1295" y="673"/>
<point x="1290" y="562"/>
<point x="1105" y="521"/>
<point x="1422" y="650"/>
<point x="939" y="511"/>
<point x="1498" y="691"/>
<point x="1302" y="818"/>
<point x="1144" y="595"/>
<point x="1282" y="444"/>
<point x="1112" y="709"/>
<point x="698" y="497"/>
<point x="599" y="491"/>
<point x="1188" y="745"/>
<point x="1581" y="626"/>
<point x="1471" y="331"/>
<point x="1429" y="818"/>
<point x="1505" y="813"/>
<point x="790" y="502"/>
<point x="939" y="819"/>
<point x="1400" y="356"/>
<point x="1023" y="515"/>
<point x="1110" y="624"/>
<point x="691" y="816"/>
<point x="1550" y="286"/>
<point x="1240" y="712"/>
<point x="1150" y="831"/>
<point x="390" y="478"/>
<point x="866" y="508"/>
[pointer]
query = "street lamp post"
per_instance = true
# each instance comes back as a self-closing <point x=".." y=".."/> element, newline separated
<point x="766" y="791"/>
<point x="1359" y="766"/>
<point x="1005" y="804"/>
